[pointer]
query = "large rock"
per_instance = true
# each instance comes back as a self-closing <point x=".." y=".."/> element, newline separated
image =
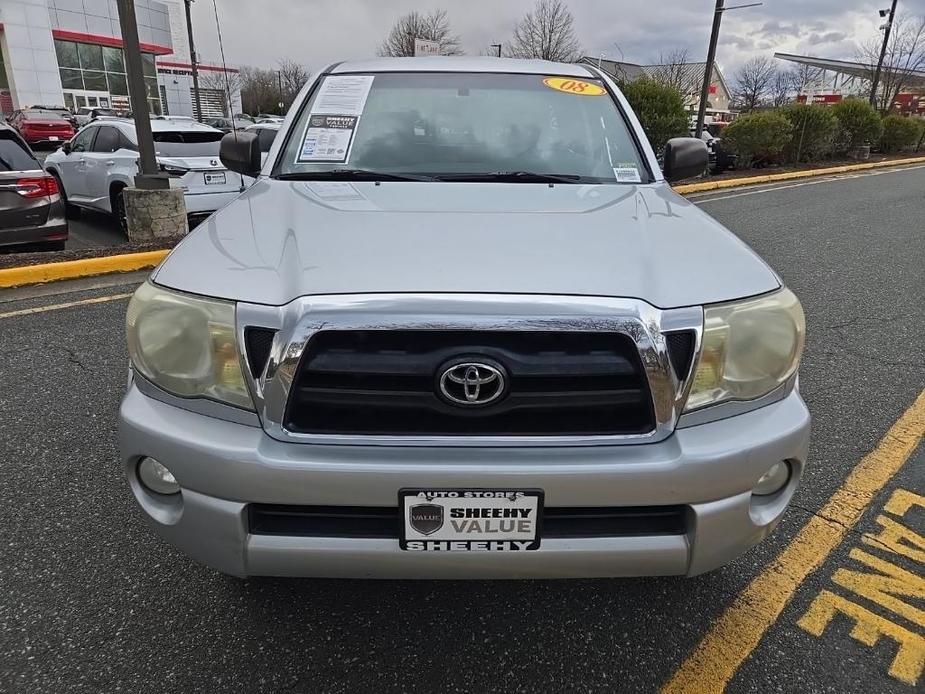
<point x="153" y="214"/>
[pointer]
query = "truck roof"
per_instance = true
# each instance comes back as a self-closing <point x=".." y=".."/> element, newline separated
<point x="462" y="64"/>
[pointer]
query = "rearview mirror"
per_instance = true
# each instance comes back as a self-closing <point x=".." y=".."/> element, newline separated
<point x="240" y="152"/>
<point x="66" y="146"/>
<point x="685" y="157"/>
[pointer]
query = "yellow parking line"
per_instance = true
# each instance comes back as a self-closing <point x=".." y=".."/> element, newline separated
<point x="739" y="630"/>
<point x="69" y="304"/>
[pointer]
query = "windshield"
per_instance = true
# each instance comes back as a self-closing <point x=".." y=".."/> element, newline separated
<point x="187" y="144"/>
<point x="463" y="126"/>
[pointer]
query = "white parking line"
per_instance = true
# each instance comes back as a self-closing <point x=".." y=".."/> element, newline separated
<point x="69" y="304"/>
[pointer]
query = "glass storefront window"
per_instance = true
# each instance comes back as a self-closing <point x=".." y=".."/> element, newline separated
<point x="117" y="84"/>
<point x="148" y="66"/>
<point x="67" y="54"/>
<point x="71" y="79"/>
<point x="112" y="59"/>
<point x="91" y="56"/>
<point x="95" y="80"/>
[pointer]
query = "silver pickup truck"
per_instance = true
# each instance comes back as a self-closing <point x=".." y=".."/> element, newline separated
<point x="462" y="327"/>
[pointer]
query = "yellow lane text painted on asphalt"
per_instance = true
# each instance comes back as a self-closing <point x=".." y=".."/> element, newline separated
<point x="884" y="584"/>
<point x="740" y="628"/>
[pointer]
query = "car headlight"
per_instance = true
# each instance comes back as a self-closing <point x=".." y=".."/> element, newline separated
<point x="748" y="349"/>
<point x="186" y="345"/>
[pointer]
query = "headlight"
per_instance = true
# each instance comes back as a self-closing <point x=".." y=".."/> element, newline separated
<point x="749" y="348"/>
<point x="186" y="345"/>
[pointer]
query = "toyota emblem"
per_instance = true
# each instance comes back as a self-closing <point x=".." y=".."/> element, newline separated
<point x="472" y="383"/>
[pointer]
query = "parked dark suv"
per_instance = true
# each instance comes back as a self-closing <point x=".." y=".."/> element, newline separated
<point x="31" y="209"/>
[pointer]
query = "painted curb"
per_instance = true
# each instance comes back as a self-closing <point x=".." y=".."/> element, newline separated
<point x="790" y="176"/>
<point x="73" y="269"/>
<point x="128" y="262"/>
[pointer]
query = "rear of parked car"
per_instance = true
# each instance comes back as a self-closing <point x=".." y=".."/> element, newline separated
<point x="42" y="127"/>
<point x="31" y="210"/>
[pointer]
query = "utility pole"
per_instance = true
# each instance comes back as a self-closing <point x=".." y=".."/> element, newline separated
<point x="148" y="177"/>
<point x="708" y="69"/>
<point x="886" y="41"/>
<point x="193" y="61"/>
<point x="711" y="58"/>
<point x="279" y="76"/>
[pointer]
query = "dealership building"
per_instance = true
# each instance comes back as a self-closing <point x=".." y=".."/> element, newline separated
<point x="69" y="52"/>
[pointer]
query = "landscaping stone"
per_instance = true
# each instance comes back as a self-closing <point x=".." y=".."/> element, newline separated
<point x="154" y="214"/>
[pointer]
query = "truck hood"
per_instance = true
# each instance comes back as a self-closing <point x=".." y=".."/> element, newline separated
<point x="282" y="239"/>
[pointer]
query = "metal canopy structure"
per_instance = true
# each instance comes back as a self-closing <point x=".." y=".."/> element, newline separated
<point x="914" y="78"/>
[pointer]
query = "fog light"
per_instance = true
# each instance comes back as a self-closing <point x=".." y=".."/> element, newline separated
<point x="773" y="480"/>
<point x="156" y="477"/>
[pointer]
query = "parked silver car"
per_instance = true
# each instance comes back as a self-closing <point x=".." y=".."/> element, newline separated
<point x="461" y="326"/>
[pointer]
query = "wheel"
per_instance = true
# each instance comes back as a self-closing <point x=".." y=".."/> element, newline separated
<point x="70" y="211"/>
<point x="117" y="200"/>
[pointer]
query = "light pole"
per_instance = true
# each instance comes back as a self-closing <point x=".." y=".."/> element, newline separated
<point x="711" y="57"/>
<point x="192" y="60"/>
<point x="148" y="177"/>
<point x="886" y="39"/>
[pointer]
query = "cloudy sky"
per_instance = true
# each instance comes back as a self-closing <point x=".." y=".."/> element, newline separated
<point x="317" y="32"/>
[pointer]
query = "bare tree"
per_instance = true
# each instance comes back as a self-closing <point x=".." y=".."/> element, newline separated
<point x="291" y="77"/>
<point x="259" y="90"/>
<point x="547" y="32"/>
<point x="415" y="25"/>
<point x="674" y="70"/>
<point x="782" y="88"/>
<point x="752" y="83"/>
<point x="905" y="55"/>
<point x="225" y="83"/>
<point x="803" y="77"/>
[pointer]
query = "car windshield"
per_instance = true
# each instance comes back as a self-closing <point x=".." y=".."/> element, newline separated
<point x="187" y="144"/>
<point x="463" y="126"/>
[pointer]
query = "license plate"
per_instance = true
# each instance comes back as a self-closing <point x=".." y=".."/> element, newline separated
<point x="53" y="138"/>
<point x="470" y="520"/>
<point x="215" y="179"/>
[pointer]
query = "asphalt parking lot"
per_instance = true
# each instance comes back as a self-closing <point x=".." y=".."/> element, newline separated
<point x="90" y="601"/>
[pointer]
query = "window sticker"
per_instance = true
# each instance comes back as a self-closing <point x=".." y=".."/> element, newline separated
<point x="572" y="86"/>
<point x="626" y="173"/>
<point x="327" y="139"/>
<point x="343" y="95"/>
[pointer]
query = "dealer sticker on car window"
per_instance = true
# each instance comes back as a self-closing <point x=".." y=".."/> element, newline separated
<point x="470" y="520"/>
<point x="572" y="86"/>
<point x="626" y="173"/>
<point x="333" y="120"/>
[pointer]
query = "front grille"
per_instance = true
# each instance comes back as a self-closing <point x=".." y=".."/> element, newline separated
<point x="383" y="521"/>
<point x="378" y="382"/>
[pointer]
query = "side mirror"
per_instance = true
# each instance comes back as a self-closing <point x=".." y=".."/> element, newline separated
<point x="66" y="146"/>
<point x="240" y="152"/>
<point x="685" y="157"/>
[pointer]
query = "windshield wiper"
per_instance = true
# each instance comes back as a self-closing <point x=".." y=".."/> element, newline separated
<point x="351" y="175"/>
<point x="512" y="177"/>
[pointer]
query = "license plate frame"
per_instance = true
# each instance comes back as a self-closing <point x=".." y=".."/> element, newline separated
<point x="53" y="138"/>
<point x="219" y="177"/>
<point x="487" y="535"/>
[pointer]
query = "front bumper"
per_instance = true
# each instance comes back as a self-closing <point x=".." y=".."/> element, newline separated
<point x="223" y="466"/>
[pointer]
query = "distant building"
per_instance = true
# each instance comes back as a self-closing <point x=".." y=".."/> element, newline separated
<point x="831" y="80"/>
<point x="69" y="52"/>
<point x="687" y="77"/>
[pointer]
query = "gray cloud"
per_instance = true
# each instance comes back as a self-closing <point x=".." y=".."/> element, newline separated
<point x="318" y="32"/>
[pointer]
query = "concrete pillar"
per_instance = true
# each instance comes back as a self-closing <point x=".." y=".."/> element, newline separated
<point x="153" y="214"/>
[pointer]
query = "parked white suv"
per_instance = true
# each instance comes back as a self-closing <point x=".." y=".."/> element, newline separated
<point x="95" y="166"/>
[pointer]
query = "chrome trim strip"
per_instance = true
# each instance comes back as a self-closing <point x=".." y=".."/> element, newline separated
<point x="724" y="410"/>
<point x="302" y="318"/>
<point x="209" y="408"/>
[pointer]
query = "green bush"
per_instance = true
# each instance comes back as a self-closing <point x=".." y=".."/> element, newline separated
<point x="813" y="130"/>
<point x="660" y="109"/>
<point x="900" y="133"/>
<point x="859" y="123"/>
<point x="755" y="137"/>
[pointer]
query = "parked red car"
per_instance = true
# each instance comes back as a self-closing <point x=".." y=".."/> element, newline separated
<point x="38" y="126"/>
